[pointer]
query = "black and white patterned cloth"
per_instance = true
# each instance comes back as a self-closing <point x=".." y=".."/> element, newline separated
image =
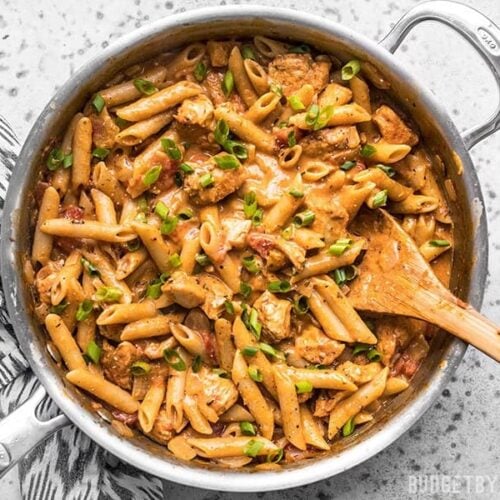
<point x="68" y="465"/>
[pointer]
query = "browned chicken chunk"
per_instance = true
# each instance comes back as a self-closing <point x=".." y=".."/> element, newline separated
<point x="116" y="363"/>
<point x="314" y="346"/>
<point x="274" y="315"/>
<point x="392" y="127"/>
<point x="104" y="129"/>
<point x="323" y="143"/>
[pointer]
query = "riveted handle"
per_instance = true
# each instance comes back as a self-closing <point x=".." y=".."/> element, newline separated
<point x="476" y="28"/>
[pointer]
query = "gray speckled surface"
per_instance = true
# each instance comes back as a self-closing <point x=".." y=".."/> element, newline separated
<point x="41" y="43"/>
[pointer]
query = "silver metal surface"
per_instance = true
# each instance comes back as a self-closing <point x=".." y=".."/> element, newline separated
<point x="242" y="20"/>
<point x="480" y="31"/>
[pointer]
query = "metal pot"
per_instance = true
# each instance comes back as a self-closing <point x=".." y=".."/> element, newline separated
<point x="21" y="430"/>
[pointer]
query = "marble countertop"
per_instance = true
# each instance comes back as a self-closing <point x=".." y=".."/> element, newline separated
<point x="43" y="42"/>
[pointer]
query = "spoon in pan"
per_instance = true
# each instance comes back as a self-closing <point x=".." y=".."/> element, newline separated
<point x="394" y="278"/>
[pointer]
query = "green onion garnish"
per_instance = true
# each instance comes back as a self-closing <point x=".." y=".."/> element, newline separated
<point x="361" y="348"/>
<point x="175" y="260"/>
<point x="347" y="165"/>
<point x="202" y="259"/>
<point x="227" y="162"/>
<point x="247" y="428"/>
<point x="169" y="224"/>
<point x="257" y="217"/>
<point x="59" y="309"/>
<point x="55" y="159"/>
<point x="250" y="350"/>
<point x="100" y="153"/>
<point x="255" y="325"/>
<point x="439" y="243"/>
<point x="300" y="49"/>
<point x="140" y="368"/>
<point x="339" y="247"/>
<point x="276" y="89"/>
<point x="200" y="71"/>
<point x="279" y="286"/>
<point x="145" y="86"/>
<point x="253" y="448"/>
<point x="196" y="364"/>
<point x="380" y="199"/>
<point x="368" y="150"/>
<point x="237" y="149"/>
<point x="255" y="374"/>
<point x="312" y="115"/>
<point x="186" y="168"/>
<point x="288" y="232"/>
<point x="228" y="83"/>
<point x="301" y="305"/>
<point x="153" y="290"/>
<point x="295" y="103"/>
<point x="152" y="175"/>
<point x="275" y="456"/>
<point x="348" y="427"/>
<point x="84" y="310"/>
<point x="68" y="160"/>
<point x="303" y="219"/>
<point x="229" y="306"/>
<point x="161" y="210"/>
<point x="174" y="360"/>
<point x="171" y="148"/>
<point x="303" y="386"/>
<point x="249" y="204"/>
<point x="89" y="267"/>
<point x="296" y="193"/>
<point x="386" y="169"/>
<point x="270" y="351"/>
<point x="245" y="290"/>
<point x="93" y="352"/>
<point x="221" y="132"/>
<point x="98" y="102"/>
<point x="248" y="53"/>
<point x="206" y="180"/>
<point x="351" y="69"/>
<point x="108" y="294"/>
<point x="251" y="264"/>
<point x="323" y="118"/>
<point x="373" y="355"/>
<point x="292" y="140"/>
<point x="343" y="274"/>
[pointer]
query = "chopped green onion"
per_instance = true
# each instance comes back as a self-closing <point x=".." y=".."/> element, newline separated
<point x="343" y="274"/>
<point x="175" y="260"/>
<point x="196" y="364"/>
<point x="373" y="355"/>
<point x="228" y="83"/>
<point x="142" y="204"/>
<point x="361" y="348"/>
<point x="93" y="351"/>
<point x="202" y="259"/>
<point x="174" y="360"/>
<point x="257" y="217"/>
<point x="237" y="149"/>
<point x="84" y="310"/>
<point x="221" y="132"/>
<point x="89" y="267"/>
<point x="122" y="123"/>
<point x="59" y="309"/>
<point x="245" y="290"/>
<point x="270" y="351"/>
<point x="312" y="115"/>
<point x="145" y="86"/>
<point x="185" y="214"/>
<point x="251" y="264"/>
<point x="368" y="150"/>
<point x="227" y="162"/>
<point x="140" y="217"/>
<point x="296" y="193"/>
<point x="386" y="169"/>
<point x="140" y="368"/>
<point x="248" y="53"/>
<point x="200" y="71"/>
<point x="380" y="199"/>
<point x="439" y="243"/>
<point x="255" y="374"/>
<point x="292" y="140"/>
<point x="247" y="428"/>
<point x="303" y="219"/>
<point x="339" y="247"/>
<point x="288" y="232"/>
<point x="347" y="165"/>
<point x="253" y="448"/>
<point x="161" y="210"/>
<point x="295" y="103"/>
<point x="348" y="427"/>
<point x="300" y="49"/>
<point x="301" y="305"/>
<point x="164" y="277"/>
<point x="303" y="386"/>
<point x="277" y="89"/>
<point x="282" y="124"/>
<point x="276" y="456"/>
<point x="154" y="289"/>
<point x="249" y="204"/>
<point x="98" y="102"/>
<point x="152" y="175"/>
<point x="229" y="306"/>
<point x="351" y="69"/>
<point x="206" y="180"/>
<point x="250" y="350"/>
<point x="279" y="286"/>
<point x="323" y="118"/>
<point x="220" y="372"/>
<point x="171" y="148"/>
<point x="169" y="224"/>
<point x="186" y="168"/>
<point x="68" y="160"/>
<point x="108" y="294"/>
<point x="55" y="159"/>
<point x="255" y="325"/>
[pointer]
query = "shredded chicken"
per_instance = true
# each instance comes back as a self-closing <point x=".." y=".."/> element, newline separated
<point x="196" y="111"/>
<point x="274" y="315"/>
<point x="314" y="346"/>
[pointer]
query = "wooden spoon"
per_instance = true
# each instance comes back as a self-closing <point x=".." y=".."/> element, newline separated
<point x="394" y="278"/>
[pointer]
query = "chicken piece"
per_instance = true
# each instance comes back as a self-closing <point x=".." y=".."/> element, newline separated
<point x="411" y="359"/>
<point x="359" y="374"/>
<point x="393" y="129"/>
<point x="323" y="143"/>
<point x="163" y="428"/>
<point x="294" y="252"/>
<point x="197" y="110"/>
<point x="45" y="278"/>
<point x="218" y="52"/>
<point x="236" y="231"/>
<point x="274" y="314"/>
<point x="225" y="182"/>
<point x="213" y="85"/>
<point x="291" y="71"/>
<point x="116" y="363"/>
<point x="314" y="346"/>
<point x="220" y="393"/>
<point x="184" y="290"/>
<point x="104" y="129"/>
<point x="217" y="292"/>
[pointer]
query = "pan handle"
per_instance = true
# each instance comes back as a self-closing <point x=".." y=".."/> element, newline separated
<point x="21" y="431"/>
<point x="475" y="27"/>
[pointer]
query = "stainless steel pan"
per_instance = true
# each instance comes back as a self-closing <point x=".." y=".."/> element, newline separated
<point x="21" y="431"/>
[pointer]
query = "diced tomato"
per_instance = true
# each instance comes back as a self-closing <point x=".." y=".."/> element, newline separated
<point x="72" y="212"/>
<point x="406" y="365"/>
<point x="209" y="341"/>
<point x="261" y="243"/>
<point x="126" y="418"/>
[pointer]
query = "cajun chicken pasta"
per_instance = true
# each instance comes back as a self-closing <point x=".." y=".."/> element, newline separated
<point x="193" y="251"/>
